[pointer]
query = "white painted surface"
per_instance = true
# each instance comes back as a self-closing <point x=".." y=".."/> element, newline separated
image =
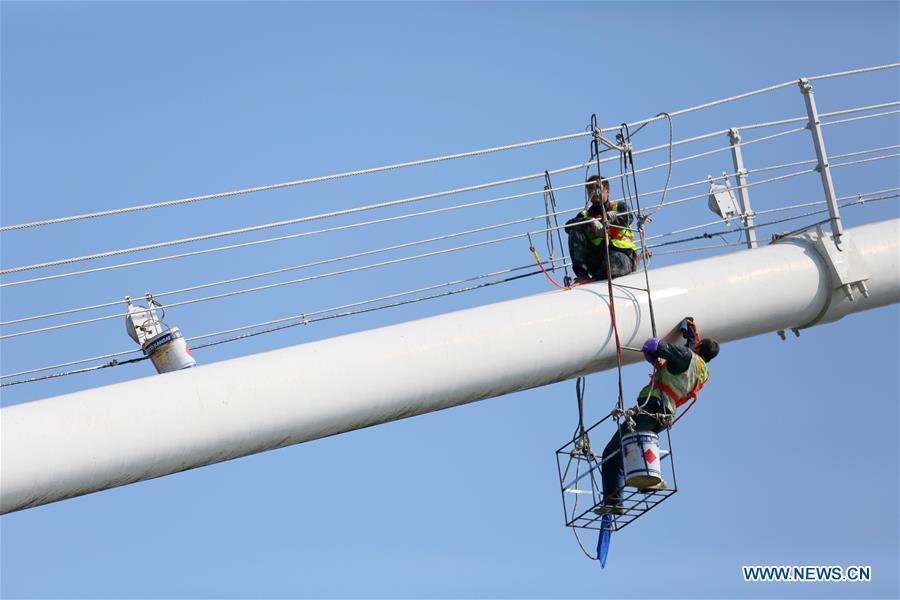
<point x="101" y="438"/>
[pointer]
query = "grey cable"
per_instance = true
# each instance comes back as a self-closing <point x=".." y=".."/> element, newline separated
<point x="303" y="320"/>
<point x="862" y="118"/>
<point x="306" y="219"/>
<point x="397" y="166"/>
<point x="280" y="238"/>
<point x="311" y="277"/>
<point x="287" y="184"/>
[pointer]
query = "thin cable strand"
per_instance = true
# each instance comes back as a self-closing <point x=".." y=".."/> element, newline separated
<point x="397" y="166"/>
<point x="299" y="182"/>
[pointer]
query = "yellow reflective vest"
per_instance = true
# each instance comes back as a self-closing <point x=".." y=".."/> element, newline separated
<point x="679" y="388"/>
<point x="619" y="237"/>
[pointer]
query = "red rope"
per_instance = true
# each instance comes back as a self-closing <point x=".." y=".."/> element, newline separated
<point x="537" y="259"/>
<point x="683" y="413"/>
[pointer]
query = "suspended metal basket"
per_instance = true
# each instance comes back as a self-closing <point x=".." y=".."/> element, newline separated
<point x="581" y="485"/>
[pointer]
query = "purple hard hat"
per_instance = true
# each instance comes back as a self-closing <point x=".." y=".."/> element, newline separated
<point x="650" y="348"/>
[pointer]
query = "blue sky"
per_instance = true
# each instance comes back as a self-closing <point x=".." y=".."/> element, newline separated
<point x="791" y="458"/>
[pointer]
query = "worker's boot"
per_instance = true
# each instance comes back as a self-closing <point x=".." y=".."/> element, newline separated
<point x="609" y="509"/>
<point x="612" y="508"/>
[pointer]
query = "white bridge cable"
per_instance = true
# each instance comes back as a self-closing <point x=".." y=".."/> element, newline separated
<point x="769" y="180"/>
<point x="658" y="207"/>
<point x="854" y="72"/>
<point x="284" y="237"/>
<point x="320" y="216"/>
<point x="301" y="318"/>
<point x="835" y="113"/>
<point x="708" y="235"/>
<point x="299" y="182"/>
<point x="771" y="88"/>
<point x="296" y="267"/>
<point x="421" y="162"/>
<point x="864" y="160"/>
<point x="768" y="211"/>
<point x="831" y="157"/>
<point x="318" y="275"/>
<point x="398" y="217"/>
<point x="862" y="118"/>
<point x="305" y="219"/>
<point x="371" y="265"/>
<point x="326" y="215"/>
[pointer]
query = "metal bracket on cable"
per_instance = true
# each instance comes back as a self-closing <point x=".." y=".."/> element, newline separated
<point x="598" y="137"/>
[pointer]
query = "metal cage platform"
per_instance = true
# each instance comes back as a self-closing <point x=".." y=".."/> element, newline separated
<point x="580" y="482"/>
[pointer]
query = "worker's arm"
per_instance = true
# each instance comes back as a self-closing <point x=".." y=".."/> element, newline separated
<point x="595" y="211"/>
<point x="619" y="215"/>
<point x="678" y="358"/>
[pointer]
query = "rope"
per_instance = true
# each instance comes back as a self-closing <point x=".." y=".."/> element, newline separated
<point x="541" y="265"/>
<point x="551" y="210"/>
<point x="612" y="302"/>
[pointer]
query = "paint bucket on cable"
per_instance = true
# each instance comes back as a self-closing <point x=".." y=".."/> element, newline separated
<point x="169" y="351"/>
<point x="642" y="468"/>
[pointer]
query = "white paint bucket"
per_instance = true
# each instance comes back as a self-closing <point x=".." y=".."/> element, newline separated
<point x="642" y="455"/>
<point x="169" y="351"/>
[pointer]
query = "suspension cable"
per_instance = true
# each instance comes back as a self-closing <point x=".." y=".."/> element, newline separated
<point x="769" y="223"/>
<point x="437" y="159"/>
<point x="215" y="235"/>
<point x="311" y="277"/>
<point x="298" y="182"/>
<point x="862" y="118"/>
<point x="301" y="319"/>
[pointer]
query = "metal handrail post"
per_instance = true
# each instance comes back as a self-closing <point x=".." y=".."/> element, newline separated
<point x="747" y="213"/>
<point x="815" y="128"/>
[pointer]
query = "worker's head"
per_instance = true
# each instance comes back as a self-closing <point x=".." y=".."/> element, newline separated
<point x="707" y="349"/>
<point x="597" y="189"/>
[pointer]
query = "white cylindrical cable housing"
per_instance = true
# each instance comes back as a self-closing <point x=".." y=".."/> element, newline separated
<point x="96" y="439"/>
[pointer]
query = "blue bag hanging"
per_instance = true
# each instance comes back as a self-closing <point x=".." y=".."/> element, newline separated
<point x="604" y="539"/>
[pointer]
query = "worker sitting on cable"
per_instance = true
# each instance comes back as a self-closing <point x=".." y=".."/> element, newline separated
<point x="587" y="246"/>
<point x="680" y="372"/>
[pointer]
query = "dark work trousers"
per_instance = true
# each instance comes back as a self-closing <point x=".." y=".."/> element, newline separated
<point x="613" y="469"/>
<point x="589" y="261"/>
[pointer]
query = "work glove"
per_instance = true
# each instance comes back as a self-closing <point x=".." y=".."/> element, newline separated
<point x="595" y="210"/>
<point x="689" y="331"/>
<point x="650" y="348"/>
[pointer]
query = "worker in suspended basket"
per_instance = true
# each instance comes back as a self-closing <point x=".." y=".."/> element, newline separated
<point x="679" y="373"/>
<point x="587" y="244"/>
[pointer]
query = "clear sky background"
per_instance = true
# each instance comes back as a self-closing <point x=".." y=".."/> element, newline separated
<point x="790" y="458"/>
